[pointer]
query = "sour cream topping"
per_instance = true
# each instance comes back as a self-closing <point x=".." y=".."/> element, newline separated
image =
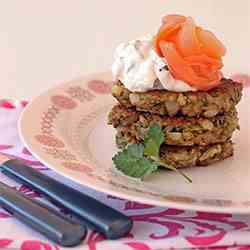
<point x="139" y="68"/>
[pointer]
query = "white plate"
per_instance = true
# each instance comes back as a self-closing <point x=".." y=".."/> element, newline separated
<point x="66" y="128"/>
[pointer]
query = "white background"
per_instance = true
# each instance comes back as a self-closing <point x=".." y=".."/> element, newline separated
<point x="49" y="41"/>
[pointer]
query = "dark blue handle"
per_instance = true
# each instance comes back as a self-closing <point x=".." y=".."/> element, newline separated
<point x="46" y="221"/>
<point x="104" y="219"/>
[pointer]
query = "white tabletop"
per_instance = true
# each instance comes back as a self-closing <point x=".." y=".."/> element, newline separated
<point x="46" y="42"/>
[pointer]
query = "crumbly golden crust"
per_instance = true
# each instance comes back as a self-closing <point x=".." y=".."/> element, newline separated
<point x="201" y="103"/>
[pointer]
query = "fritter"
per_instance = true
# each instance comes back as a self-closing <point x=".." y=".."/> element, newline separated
<point x="179" y="131"/>
<point x="206" y="104"/>
<point x="182" y="156"/>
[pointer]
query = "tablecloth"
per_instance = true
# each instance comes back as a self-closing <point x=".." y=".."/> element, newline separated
<point x="154" y="227"/>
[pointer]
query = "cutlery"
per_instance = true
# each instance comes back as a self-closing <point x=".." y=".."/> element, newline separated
<point x="44" y="220"/>
<point x="102" y="218"/>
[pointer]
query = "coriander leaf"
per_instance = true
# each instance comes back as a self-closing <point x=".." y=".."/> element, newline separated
<point x="153" y="140"/>
<point x="131" y="162"/>
<point x="135" y="150"/>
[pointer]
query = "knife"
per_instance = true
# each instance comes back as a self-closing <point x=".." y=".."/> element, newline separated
<point x="102" y="218"/>
<point x="44" y="220"/>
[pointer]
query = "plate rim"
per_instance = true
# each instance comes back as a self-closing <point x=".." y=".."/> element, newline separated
<point x="237" y="207"/>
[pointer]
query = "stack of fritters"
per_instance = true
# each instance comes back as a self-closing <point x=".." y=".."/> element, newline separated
<point x="198" y="126"/>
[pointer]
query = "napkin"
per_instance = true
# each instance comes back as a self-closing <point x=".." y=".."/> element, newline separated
<point x="155" y="228"/>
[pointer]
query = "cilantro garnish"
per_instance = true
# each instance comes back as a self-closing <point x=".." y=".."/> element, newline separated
<point x="132" y="162"/>
<point x="140" y="160"/>
<point x="153" y="140"/>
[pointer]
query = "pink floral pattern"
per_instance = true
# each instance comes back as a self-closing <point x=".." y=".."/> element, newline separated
<point x="62" y="154"/>
<point x="37" y="245"/>
<point x="77" y="166"/>
<point x="100" y="87"/>
<point x="48" y="119"/>
<point x="26" y="151"/>
<point x="49" y="141"/>
<point x="92" y="240"/>
<point x="63" y="102"/>
<point x="80" y="94"/>
<point x="205" y="240"/>
<point x="5" y="243"/>
<point x="138" y="246"/>
<point x="7" y="104"/>
<point x="4" y="215"/>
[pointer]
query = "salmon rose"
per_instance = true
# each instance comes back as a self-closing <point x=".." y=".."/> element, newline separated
<point x="192" y="54"/>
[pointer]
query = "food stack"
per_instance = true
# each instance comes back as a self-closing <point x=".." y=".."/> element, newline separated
<point x="174" y="79"/>
<point x="198" y="126"/>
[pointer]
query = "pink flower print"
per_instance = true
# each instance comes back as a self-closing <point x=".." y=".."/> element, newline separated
<point x="138" y="246"/>
<point x="24" y="103"/>
<point x="7" y="104"/>
<point x="223" y="218"/>
<point x="162" y="219"/>
<point x="77" y="167"/>
<point x="93" y="239"/>
<point x="60" y="154"/>
<point x="4" y="215"/>
<point x="80" y="94"/>
<point x="49" y="141"/>
<point x="244" y="248"/>
<point x="206" y="240"/>
<point x="132" y="205"/>
<point x="4" y="146"/>
<point x="100" y="87"/>
<point x="37" y="245"/>
<point x="63" y="102"/>
<point x="4" y="243"/>
<point x="26" y="151"/>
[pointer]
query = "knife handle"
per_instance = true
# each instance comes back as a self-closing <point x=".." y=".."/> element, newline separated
<point x="44" y="220"/>
<point x="102" y="218"/>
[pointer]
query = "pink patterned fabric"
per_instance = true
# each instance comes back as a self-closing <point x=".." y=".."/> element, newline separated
<point x="154" y="227"/>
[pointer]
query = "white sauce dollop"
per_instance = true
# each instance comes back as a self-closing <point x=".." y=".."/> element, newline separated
<point x="139" y="68"/>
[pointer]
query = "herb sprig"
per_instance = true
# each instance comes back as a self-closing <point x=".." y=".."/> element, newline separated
<point x="140" y="160"/>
